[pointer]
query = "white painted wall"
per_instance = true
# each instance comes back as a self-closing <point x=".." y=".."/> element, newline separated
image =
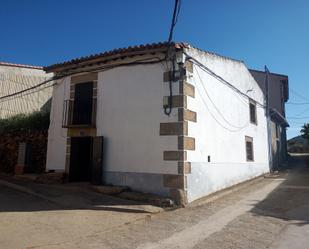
<point x="129" y="113"/>
<point x="130" y="110"/>
<point x="57" y="136"/>
<point x="223" y="139"/>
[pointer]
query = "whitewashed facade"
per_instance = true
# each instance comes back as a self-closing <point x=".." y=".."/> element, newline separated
<point x="198" y="149"/>
<point x="220" y="134"/>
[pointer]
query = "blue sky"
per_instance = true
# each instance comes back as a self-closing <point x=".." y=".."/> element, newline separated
<point x="273" y="33"/>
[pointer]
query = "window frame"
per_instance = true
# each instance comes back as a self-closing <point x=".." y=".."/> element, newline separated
<point x="277" y="131"/>
<point x="253" y="103"/>
<point x="249" y="140"/>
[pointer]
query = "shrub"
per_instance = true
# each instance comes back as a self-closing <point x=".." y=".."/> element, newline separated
<point x="35" y="121"/>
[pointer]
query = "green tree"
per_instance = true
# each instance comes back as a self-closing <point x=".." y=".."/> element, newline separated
<point x="305" y="131"/>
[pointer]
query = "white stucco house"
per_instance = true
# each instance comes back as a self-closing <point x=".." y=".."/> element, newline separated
<point x="168" y="119"/>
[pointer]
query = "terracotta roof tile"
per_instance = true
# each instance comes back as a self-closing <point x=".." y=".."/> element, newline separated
<point x="118" y="51"/>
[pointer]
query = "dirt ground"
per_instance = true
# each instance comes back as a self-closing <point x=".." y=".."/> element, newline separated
<point x="271" y="212"/>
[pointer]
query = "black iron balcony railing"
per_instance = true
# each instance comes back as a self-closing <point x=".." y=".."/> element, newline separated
<point x="78" y="114"/>
<point x="67" y="113"/>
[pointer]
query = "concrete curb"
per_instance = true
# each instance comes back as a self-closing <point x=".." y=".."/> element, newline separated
<point x="224" y="192"/>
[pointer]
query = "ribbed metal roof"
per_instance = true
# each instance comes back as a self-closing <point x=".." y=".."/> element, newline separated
<point x="19" y="65"/>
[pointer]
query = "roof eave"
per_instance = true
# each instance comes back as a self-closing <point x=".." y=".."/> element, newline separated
<point x="279" y="117"/>
<point x="98" y="60"/>
<point x="113" y="55"/>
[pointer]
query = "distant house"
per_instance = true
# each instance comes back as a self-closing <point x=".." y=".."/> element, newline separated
<point x="168" y="119"/>
<point x="278" y="92"/>
<point x="17" y="77"/>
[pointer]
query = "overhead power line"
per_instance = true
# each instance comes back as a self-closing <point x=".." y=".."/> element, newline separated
<point x="176" y="11"/>
<point x="300" y="103"/>
<point x="302" y="112"/>
<point x="295" y="122"/>
<point x="219" y="78"/>
<point x="298" y="94"/>
<point x="136" y="62"/>
<point x="217" y="109"/>
<point x="26" y="93"/>
<point x="214" y="117"/>
<point x="298" y="117"/>
<point x="28" y="89"/>
<point x="171" y="57"/>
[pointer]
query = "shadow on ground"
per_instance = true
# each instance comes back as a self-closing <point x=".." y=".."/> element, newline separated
<point x="290" y="200"/>
<point x="42" y="197"/>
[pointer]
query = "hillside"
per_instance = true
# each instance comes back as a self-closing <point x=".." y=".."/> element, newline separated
<point x="298" y="144"/>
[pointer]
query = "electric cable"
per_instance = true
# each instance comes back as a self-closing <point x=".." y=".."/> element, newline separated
<point x="25" y="94"/>
<point x="176" y="11"/>
<point x="298" y="94"/>
<point x="298" y="117"/>
<point x="219" y="78"/>
<point x="137" y="62"/>
<point x="217" y="109"/>
<point x="302" y="112"/>
<point x="213" y="116"/>
<point x="300" y="103"/>
<point x="168" y="108"/>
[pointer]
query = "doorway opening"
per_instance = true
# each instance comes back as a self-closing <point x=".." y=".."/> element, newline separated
<point x="86" y="159"/>
<point x="80" y="162"/>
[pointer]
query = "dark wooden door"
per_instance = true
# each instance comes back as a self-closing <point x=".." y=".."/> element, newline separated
<point x="80" y="159"/>
<point x="97" y="160"/>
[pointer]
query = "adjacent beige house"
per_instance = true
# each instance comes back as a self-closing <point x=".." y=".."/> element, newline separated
<point x="17" y="77"/>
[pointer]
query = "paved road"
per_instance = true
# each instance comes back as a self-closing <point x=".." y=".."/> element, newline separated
<point x="55" y="215"/>
<point x="271" y="213"/>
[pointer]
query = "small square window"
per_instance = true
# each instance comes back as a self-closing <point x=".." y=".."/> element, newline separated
<point x="252" y="111"/>
<point x="249" y="148"/>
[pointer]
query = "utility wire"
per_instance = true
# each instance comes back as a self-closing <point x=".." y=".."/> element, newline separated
<point x="300" y="123"/>
<point x="298" y="117"/>
<point x="176" y="11"/>
<point x="298" y="94"/>
<point x="169" y="106"/>
<point x="219" y="78"/>
<point x="27" y="93"/>
<point x="27" y="89"/>
<point x="294" y="103"/>
<point x="137" y="62"/>
<point x="302" y="112"/>
<point x="217" y="109"/>
<point x="212" y="115"/>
